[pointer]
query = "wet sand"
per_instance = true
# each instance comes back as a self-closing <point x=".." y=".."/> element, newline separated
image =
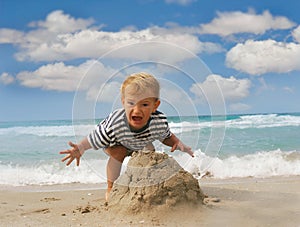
<point x="231" y="202"/>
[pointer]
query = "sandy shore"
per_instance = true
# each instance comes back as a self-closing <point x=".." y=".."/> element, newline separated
<point x="240" y="202"/>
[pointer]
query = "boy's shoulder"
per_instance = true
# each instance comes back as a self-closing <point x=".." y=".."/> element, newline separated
<point x="114" y="116"/>
<point x="119" y="111"/>
<point x="158" y="114"/>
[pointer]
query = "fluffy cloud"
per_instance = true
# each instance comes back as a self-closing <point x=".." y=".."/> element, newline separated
<point x="93" y="44"/>
<point x="43" y="35"/>
<point x="61" y="77"/>
<point x="217" y="87"/>
<point x="11" y="36"/>
<point x="5" y="78"/>
<point x="259" y="57"/>
<point x="296" y="34"/>
<point x="228" y="23"/>
<point x="61" y="37"/>
<point x="58" y="22"/>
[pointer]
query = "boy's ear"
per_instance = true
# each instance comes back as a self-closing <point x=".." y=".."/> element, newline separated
<point x="122" y="100"/>
<point x="156" y="105"/>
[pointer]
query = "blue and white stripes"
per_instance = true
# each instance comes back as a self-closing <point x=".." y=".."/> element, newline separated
<point x="114" y="130"/>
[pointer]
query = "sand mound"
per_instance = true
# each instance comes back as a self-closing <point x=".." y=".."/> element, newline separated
<point x="154" y="180"/>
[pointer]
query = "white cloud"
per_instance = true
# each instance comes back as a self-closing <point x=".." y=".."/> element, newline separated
<point x="6" y="78"/>
<point x="296" y="34"/>
<point x="259" y="57"/>
<point x="228" y="23"/>
<point x="93" y="44"/>
<point x="58" y="22"/>
<point x="61" y="77"/>
<point x="45" y="32"/>
<point x="11" y="36"/>
<point x="180" y="2"/>
<point x="61" y="37"/>
<point x="218" y="87"/>
<point x="186" y="39"/>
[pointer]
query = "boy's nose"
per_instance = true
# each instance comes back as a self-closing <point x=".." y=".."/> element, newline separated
<point x="136" y="108"/>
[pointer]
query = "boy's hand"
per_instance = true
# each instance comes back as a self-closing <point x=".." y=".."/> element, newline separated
<point x="182" y="147"/>
<point x="73" y="153"/>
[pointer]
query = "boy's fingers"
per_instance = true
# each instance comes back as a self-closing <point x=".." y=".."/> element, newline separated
<point x="173" y="147"/>
<point x="70" y="161"/>
<point x="190" y="153"/>
<point x="77" y="161"/>
<point x="68" y="151"/>
<point x="65" y="158"/>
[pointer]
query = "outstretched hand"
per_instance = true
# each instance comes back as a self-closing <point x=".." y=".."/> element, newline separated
<point x="72" y="154"/>
<point x="182" y="147"/>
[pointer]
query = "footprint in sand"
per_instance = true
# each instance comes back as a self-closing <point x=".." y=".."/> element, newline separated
<point x="43" y="211"/>
<point x="49" y="199"/>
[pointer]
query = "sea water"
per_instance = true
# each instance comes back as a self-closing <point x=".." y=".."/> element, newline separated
<point x="258" y="145"/>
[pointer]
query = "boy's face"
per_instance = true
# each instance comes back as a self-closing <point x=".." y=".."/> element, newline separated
<point x="138" y="109"/>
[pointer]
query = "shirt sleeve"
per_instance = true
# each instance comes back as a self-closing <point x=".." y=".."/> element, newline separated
<point x="167" y="133"/>
<point x="161" y="126"/>
<point x="100" y="136"/>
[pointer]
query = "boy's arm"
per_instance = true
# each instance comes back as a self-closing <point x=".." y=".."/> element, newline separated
<point x="76" y="151"/>
<point x="176" y="144"/>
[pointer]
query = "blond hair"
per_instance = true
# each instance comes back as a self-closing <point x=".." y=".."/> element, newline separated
<point x="139" y="83"/>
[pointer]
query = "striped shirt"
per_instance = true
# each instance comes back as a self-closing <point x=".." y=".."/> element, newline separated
<point x="114" y="130"/>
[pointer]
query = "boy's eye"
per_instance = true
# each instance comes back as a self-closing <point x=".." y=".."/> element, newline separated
<point x="129" y="103"/>
<point x="145" y="104"/>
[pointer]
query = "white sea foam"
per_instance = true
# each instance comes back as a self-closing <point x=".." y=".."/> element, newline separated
<point x="262" y="164"/>
<point x="52" y="173"/>
<point x="47" y="131"/>
<point x="30" y="150"/>
<point x="264" y="121"/>
<point x="243" y="122"/>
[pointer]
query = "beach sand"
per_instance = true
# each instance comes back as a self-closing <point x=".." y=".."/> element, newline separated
<point x="231" y="202"/>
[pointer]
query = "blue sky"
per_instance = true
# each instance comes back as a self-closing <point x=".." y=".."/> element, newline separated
<point x="64" y="59"/>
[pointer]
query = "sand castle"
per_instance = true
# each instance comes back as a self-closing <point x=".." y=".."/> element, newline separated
<point x="153" y="180"/>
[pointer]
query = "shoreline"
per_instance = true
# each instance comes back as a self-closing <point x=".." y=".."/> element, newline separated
<point x="205" y="181"/>
<point x="273" y="201"/>
<point x="53" y="187"/>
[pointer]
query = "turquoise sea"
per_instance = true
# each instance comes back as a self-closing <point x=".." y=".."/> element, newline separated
<point x="256" y="145"/>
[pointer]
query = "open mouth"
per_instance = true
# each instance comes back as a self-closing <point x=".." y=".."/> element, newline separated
<point x="136" y="118"/>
